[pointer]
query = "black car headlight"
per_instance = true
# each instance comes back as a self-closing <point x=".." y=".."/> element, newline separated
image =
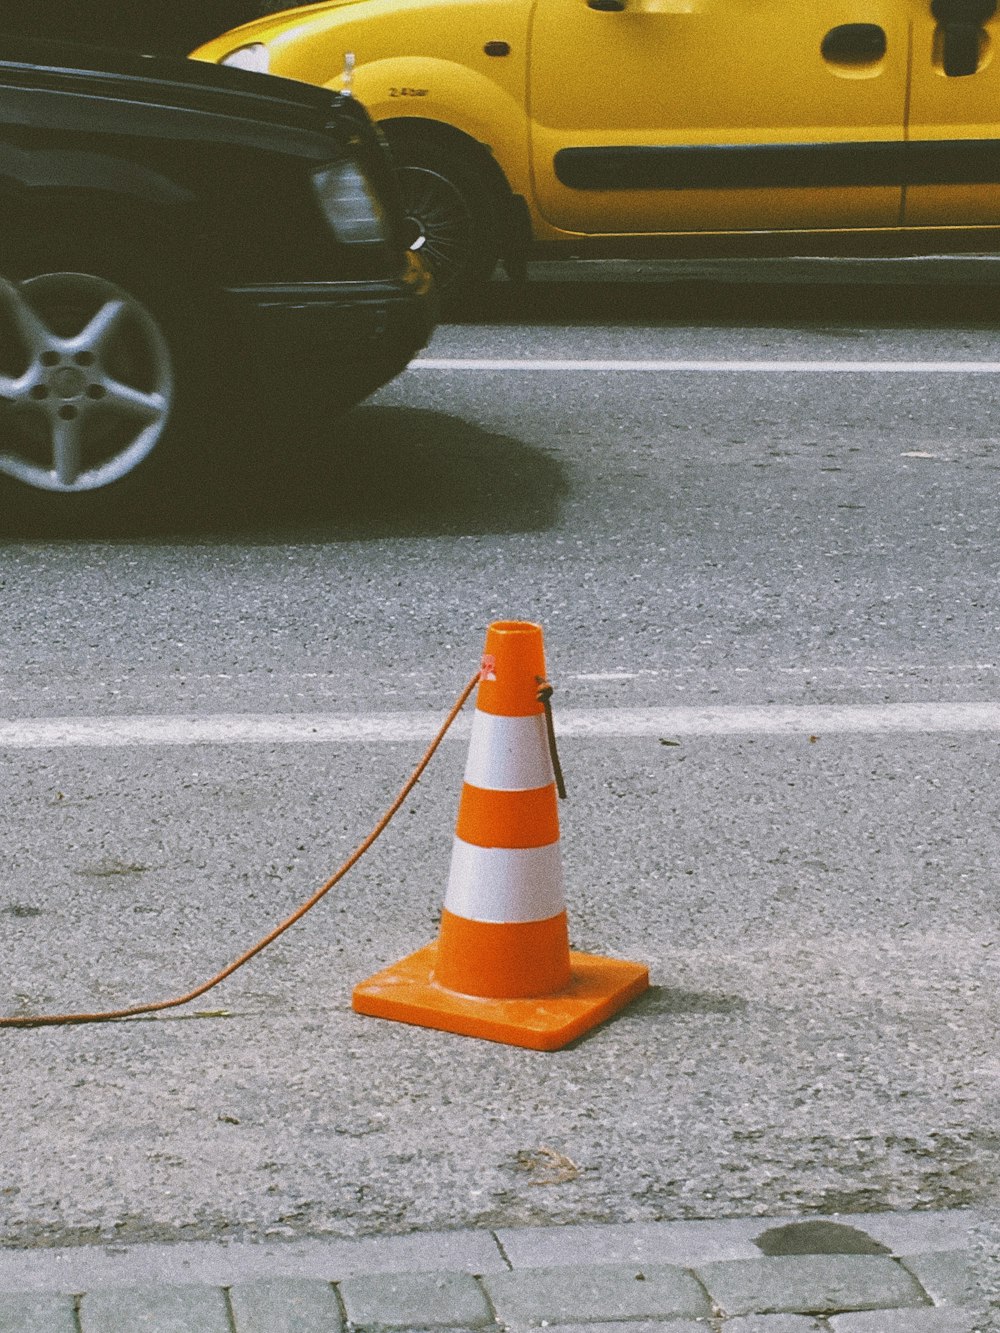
<point x="349" y="204"/>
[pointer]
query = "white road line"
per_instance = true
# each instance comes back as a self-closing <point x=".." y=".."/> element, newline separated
<point x="714" y="367"/>
<point x="131" y="731"/>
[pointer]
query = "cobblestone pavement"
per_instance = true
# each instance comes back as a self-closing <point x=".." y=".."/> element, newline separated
<point x="872" y="1273"/>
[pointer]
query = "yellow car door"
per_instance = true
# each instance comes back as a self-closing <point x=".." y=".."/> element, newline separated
<point x="653" y="116"/>
<point x="953" y="177"/>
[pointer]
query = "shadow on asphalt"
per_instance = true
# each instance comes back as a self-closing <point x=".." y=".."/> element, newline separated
<point x="375" y="472"/>
<point x="669" y="1002"/>
<point x="395" y="471"/>
<point x="664" y="304"/>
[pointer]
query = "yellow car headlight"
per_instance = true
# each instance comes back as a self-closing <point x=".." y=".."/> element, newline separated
<point x="255" y="57"/>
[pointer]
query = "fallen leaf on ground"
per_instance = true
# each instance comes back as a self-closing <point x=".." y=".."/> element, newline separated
<point x="549" y="1167"/>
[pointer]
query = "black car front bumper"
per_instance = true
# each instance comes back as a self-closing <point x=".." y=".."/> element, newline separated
<point x="317" y="347"/>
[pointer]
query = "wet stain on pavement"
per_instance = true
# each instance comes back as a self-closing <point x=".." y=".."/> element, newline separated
<point x="817" y="1238"/>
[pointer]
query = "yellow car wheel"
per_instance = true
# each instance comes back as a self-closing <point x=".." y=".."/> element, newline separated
<point x="452" y="214"/>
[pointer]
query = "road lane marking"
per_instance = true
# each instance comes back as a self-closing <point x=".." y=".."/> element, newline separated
<point x="131" y="731"/>
<point x="714" y="367"/>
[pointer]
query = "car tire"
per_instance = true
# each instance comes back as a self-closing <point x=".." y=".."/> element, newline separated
<point x="452" y="213"/>
<point x="99" y="386"/>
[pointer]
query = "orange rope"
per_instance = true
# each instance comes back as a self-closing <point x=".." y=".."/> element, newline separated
<point x="107" y="1016"/>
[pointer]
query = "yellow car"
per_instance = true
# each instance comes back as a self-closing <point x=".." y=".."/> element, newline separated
<point x="664" y="127"/>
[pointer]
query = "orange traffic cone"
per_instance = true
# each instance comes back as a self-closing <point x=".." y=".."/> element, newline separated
<point x="501" y="967"/>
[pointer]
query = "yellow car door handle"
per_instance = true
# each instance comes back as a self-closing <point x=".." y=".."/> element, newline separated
<point x="854" y="44"/>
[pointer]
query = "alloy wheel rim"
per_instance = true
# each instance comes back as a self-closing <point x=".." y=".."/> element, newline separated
<point x="86" y="382"/>
<point x="438" y="213"/>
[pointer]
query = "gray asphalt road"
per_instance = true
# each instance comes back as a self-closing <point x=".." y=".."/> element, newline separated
<point x="817" y="905"/>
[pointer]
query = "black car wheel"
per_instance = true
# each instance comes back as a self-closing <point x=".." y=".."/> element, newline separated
<point x="91" y="396"/>
<point x="452" y="216"/>
<point x="89" y="385"/>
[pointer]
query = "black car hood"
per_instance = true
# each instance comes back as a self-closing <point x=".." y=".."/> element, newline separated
<point x="169" y="81"/>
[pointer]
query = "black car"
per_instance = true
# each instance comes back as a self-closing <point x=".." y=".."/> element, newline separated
<point x="182" y="245"/>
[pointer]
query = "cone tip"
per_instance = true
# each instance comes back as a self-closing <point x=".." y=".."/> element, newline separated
<point x="512" y="669"/>
<point x="514" y="627"/>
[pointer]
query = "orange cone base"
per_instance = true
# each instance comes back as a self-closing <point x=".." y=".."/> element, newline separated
<point x="598" y="988"/>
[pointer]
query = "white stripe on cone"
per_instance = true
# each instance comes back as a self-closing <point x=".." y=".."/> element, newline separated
<point x="505" y="884"/>
<point x="508" y="753"/>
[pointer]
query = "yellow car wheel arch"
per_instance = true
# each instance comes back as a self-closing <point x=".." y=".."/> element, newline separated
<point x="458" y="205"/>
